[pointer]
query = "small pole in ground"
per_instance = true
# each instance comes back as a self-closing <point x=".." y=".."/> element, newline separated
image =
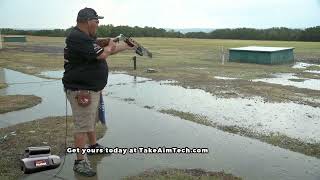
<point x="222" y="53"/>
<point x="0" y="40"/>
<point x="134" y="58"/>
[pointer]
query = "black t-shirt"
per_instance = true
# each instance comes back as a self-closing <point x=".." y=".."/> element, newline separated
<point x="83" y="71"/>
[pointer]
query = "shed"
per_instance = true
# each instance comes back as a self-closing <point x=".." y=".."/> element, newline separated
<point x="14" y="39"/>
<point x="262" y="55"/>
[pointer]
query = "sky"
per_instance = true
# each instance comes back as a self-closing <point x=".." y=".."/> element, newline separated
<point x="176" y="14"/>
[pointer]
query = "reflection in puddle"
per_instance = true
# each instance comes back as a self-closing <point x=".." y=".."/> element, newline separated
<point x="199" y="68"/>
<point x="52" y="74"/>
<point x="284" y="79"/>
<point x="225" y="78"/>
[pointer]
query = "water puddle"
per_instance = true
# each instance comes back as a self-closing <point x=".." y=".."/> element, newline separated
<point x="52" y="74"/>
<point x="289" y="79"/>
<point x="132" y="125"/>
<point x="224" y="78"/>
<point x="293" y="120"/>
<point x="199" y="68"/>
<point x="302" y="65"/>
<point x="312" y="71"/>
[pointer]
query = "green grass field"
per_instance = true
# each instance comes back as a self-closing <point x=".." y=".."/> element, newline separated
<point x="183" y="174"/>
<point x="16" y="102"/>
<point x="169" y="53"/>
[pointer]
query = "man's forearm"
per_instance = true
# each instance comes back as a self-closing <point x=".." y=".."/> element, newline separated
<point x="117" y="48"/>
<point x="120" y="47"/>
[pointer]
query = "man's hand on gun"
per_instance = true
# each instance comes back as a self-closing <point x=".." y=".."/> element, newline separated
<point x="121" y="43"/>
<point x="107" y="44"/>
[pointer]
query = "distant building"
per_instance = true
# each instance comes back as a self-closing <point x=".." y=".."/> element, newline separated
<point x="262" y="55"/>
<point x="14" y="39"/>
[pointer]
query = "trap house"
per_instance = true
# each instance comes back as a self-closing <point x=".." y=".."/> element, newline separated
<point x="262" y="55"/>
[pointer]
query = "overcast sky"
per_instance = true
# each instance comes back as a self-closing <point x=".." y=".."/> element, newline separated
<point x="163" y="13"/>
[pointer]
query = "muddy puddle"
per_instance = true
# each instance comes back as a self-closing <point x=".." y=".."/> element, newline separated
<point x="132" y="125"/>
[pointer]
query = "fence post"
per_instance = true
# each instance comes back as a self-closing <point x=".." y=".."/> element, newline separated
<point x="0" y="40"/>
<point x="134" y="58"/>
<point x="222" y="52"/>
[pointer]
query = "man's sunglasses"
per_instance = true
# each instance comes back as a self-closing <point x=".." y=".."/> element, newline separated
<point x="95" y="20"/>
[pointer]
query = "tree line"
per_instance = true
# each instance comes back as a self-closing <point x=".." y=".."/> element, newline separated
<point x="281" y="33"/>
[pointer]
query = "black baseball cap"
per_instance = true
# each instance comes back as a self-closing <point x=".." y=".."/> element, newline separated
<point x="87" y="14"/>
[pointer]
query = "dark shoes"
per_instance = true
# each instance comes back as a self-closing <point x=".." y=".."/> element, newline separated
<point x="83" y="168"/>
<point x="97" y="145"/>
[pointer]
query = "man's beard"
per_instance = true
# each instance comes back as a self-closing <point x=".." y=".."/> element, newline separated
<point x="93" y="35"/>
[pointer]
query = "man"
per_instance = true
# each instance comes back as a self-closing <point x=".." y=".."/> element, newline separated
<point x="85" y="76"/>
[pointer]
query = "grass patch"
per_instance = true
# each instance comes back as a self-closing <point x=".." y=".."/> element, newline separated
<point x="3" y="85"/>
<point x="308" y="75"/>
<point x="313" y="68"/>
<point x="276" y="139"/>
<point x="128" y="99"/>
<point x="182" y="174"/>
<point x="47" y="131"/>
<point x="30" y="62"/>
<point x="148" y="107"/>
<point x="188" y="116"/>
<point x="297" y="80"/>
<point x="16" y="102"/>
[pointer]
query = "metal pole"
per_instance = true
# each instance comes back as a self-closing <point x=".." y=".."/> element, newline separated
<point x="134" y="58"/>
<point x="0" y="40"/>
<point x="222" y="55"/>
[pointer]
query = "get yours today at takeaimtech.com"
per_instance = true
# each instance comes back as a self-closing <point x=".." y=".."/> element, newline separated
<point x="142" y="150"/>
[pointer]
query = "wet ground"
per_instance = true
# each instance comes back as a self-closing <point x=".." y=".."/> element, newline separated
<point x="50" y="91"/>
<point x="132" y="125"/>
<point x="293" y="120"/>
<point x="303" y="65"/>
<point x="289" y="79"/>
